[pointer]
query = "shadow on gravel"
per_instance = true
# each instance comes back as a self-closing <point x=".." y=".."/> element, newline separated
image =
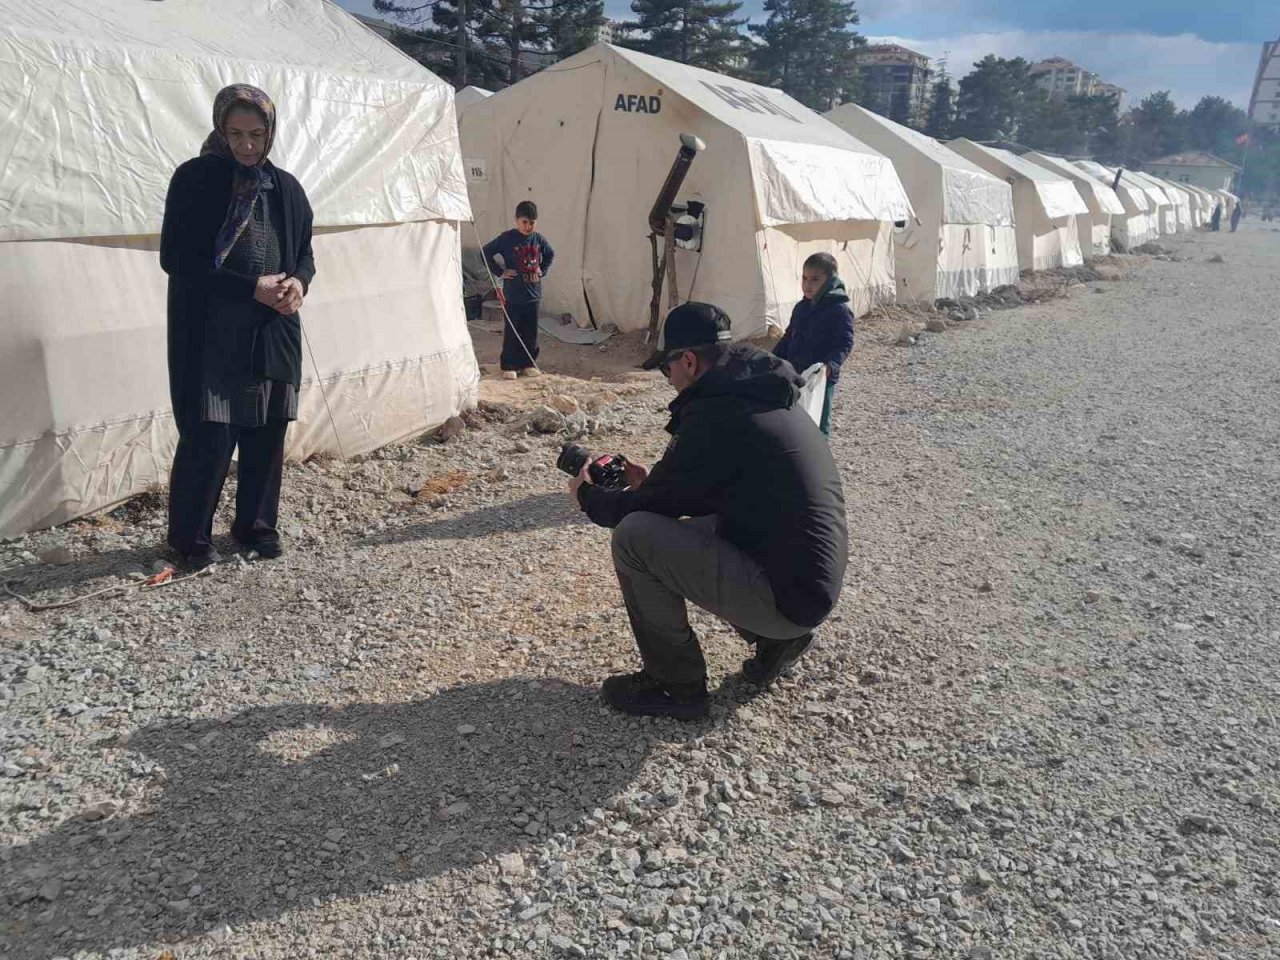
<point x="532" y="513"/>
<point x="36" y="578"/>
<point x="276" y="807"/>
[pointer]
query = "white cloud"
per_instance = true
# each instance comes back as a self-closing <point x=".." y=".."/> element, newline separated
<point x="1184" y="64"/>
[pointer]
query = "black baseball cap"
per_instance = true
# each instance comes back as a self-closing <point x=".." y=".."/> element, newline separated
<point x="689" y="326"/>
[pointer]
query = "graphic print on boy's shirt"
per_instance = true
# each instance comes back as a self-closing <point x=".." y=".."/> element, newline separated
<point x="530" y="258"/>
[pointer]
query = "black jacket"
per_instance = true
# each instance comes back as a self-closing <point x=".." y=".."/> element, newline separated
<point x="820" y="331"/>
<point x="742" y="449"/>
<point x="194" y="211"/>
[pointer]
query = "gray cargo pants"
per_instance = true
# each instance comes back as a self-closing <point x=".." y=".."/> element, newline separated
<point x="661" y="563"/>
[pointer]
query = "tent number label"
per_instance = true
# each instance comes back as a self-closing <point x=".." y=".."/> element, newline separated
<point x="637" y="103"/>
<point x="476" y="169"/>
<point x="741" y="99"/>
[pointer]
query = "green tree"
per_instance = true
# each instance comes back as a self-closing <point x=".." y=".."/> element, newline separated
<point x="808" y="48"/>
<point x="1071" y="126"/>
<point x="488" y="42"/>
<point x="994" y="99"/>
<point x="942" y="107"/>
<point x="704" y="33"/>
<point x="1051" y="125"/>
<point x="1214" y="125"/>
<point x="1157" y="127"/>
<point x="1261" y="178"/>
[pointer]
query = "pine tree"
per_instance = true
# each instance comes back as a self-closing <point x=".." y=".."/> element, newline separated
<point x="942" y="106"/>
<point x="809" y="49"/>
<point x="703" y="33"/>
<point x="492" y="47"/>
<point x="995" y="98"/>
<point x="1158" y="127"/>
<point x="1214" y="125"/>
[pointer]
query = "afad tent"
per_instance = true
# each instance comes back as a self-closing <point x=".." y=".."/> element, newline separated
<point x="961" y="240"/>
<point x="1045" y="206"/>
<point x="1204" y="203"/>
<point x="1167" y="204"/>
<point x="591" y="140"/>
<point x="1182" y="200"/>
<point x="98" y="104"/>
<point x="1228" y="201"/>
<point x="1164" y="212"/>
<point x="469" y="95"/>
<point x="1138" y="224"/>
<point x="1095" y="226"/>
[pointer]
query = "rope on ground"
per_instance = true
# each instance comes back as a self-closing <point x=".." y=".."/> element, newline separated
<point x="159" y="580"/>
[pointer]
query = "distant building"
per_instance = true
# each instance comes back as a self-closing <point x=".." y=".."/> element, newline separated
<point x="1198" y="169"/>
<point x="895" y="82"/>
<point x="605" y="33"/>
<point x="1110" y="90"/>
<point x="1060" y="78"/>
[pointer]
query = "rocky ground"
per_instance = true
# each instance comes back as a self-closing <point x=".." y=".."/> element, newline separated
<point x="1041" y="724"/>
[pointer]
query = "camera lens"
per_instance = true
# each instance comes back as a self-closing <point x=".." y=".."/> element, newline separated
<point x="572" y="458"/>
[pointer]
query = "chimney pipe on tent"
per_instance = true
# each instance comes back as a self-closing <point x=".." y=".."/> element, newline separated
<point x="690" y="147"/>
<point x="1119" y="174"/>
<point x="666" y="221"/>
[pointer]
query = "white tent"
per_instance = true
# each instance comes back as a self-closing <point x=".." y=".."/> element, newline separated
<point x="100" y="100"/>
<point x="591" y="139"/>
<point x="1095" y="226"/>
<point x="1137" y="225"/>
<point x="961" y="240"/>
<point x="1204" y="203"/>
<point x="1228" y="201"/>
<point x="1166" y="219"/>
<point x="469" y="95"/>
<point x="1045" y="204"/>
<point x="1167" y="202"/>
<point x="1182" y="200"/>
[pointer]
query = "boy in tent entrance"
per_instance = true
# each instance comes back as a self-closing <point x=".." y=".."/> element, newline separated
<point x="821" y="328"/>
<point x="526" y="258"/>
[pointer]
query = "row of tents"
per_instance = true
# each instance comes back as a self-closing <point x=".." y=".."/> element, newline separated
<point x="908" y="217"/>
<point x="101" y="103"/>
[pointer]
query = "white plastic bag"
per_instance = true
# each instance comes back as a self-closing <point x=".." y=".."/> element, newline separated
<point x="814" y="391"/>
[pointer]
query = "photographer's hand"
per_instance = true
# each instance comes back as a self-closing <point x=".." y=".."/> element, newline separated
<point x="577" y="482"/>
<point x="635" y="474"/>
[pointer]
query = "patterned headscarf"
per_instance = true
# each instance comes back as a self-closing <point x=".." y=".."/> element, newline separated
<point x="248" y="181"/>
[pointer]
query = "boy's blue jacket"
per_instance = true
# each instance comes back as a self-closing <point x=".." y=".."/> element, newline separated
<point x="821" y="331"/>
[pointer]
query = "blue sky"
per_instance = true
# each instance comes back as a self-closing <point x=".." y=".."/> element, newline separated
<point x="1189" y="47"/>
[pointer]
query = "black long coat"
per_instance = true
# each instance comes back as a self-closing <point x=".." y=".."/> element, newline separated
<point x="194" y="211"/>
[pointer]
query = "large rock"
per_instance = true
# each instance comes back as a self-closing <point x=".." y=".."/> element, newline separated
<point x="451" y="429"/>
<point x="546" y="420"/>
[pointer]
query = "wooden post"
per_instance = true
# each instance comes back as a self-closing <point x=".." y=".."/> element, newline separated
<point x="673" y="297"/>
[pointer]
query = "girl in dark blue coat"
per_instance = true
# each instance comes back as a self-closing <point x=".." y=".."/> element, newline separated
<point x="821" y="328"/>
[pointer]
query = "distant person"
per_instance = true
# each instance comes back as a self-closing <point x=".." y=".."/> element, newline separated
<point x="1236" y="216"/>
<point x="236" y="244"/>
<point x="526" y="258"/>
<point x="1215" y="222"/>
<point x="821" y="327"/>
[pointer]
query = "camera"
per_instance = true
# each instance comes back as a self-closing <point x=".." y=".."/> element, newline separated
<point x="608" y="470"/>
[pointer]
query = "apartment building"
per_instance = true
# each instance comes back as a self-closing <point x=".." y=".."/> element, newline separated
<point x="895" y="82"/>
<point x="1060" y="78"/>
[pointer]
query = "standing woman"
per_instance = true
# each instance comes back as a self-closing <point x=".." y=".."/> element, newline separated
<point x="236" y="244"/>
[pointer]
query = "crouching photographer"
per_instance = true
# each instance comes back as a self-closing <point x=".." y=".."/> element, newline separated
<point x="764" y="544"/>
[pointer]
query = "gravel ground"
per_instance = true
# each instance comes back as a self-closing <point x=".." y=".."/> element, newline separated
<point x="1041" y="724"/>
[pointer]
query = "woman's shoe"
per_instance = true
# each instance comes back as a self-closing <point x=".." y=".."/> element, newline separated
<point x="509" y="374"/>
